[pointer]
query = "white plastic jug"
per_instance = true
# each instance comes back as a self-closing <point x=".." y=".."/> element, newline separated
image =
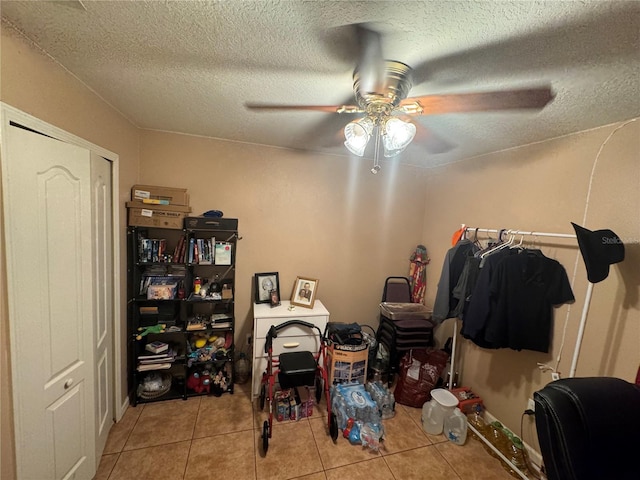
<point x="455" y="427"/>
<point x="432" y="417"/>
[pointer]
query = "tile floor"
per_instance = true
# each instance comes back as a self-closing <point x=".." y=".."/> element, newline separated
<point x="220" y="437"/>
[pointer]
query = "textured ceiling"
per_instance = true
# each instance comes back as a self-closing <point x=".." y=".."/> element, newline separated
<point x="189" y="66"/>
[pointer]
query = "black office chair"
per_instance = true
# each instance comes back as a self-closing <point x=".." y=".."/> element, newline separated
<point x="588" y="428"/>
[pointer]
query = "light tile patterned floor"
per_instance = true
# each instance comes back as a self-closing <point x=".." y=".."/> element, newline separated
<point x="220" y="437"/>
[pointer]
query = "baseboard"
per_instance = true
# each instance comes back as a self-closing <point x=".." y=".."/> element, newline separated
<point x="123" y="408"/>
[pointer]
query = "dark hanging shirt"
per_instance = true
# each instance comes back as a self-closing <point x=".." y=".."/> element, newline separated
<point x="480" y="305"/>
<point x="525" y="288"/>
<point x="454" y="261"/>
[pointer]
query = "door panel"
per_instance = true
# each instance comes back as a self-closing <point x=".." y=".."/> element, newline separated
<point x="49" y="268"/>
<point x="103" y="296"/>
<point x="65" y="418"/>
<point x="57" y="194"/>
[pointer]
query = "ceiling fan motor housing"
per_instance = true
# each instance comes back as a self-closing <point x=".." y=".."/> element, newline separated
<point x="393" y="88"/>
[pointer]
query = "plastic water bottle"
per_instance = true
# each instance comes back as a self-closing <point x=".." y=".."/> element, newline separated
<point x="432" y="417"/>
<point x="455" y="427"/>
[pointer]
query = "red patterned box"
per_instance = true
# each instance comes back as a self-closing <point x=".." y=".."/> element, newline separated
<point x="467" y="400"/>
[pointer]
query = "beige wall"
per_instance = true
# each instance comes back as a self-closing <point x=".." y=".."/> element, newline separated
<point x="544" y="187"/>
<point x="35" y="84"/>
<point x="326" y="217"/>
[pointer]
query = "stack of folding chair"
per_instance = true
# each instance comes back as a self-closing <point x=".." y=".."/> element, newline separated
<point x="403" y="325"/>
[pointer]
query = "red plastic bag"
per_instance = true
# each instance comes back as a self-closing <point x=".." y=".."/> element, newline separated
<point x="418" y="374"/>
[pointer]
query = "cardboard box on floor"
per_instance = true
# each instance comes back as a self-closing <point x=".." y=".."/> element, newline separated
<point x="346" y="366"/>
<point x="175" y="196"/>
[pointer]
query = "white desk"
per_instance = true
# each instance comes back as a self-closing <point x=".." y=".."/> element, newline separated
<point x="293" y="338"/>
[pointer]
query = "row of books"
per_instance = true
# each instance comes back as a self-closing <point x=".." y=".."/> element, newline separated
<point x="155" y="250"/>
<point x="152" y="250"/>
<point x="204" y="251"/>
<point x="201" y="250"/>
<point x="180" y="252"/>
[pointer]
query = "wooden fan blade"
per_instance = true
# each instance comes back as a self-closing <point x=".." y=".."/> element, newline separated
<point x="317" y="108"/>
<point x="477" y="102"/>
<point x="431" y="141"/>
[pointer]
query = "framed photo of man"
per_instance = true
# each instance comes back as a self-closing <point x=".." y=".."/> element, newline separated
<point x="304" y="292"/>
<point x="265" y="284"/>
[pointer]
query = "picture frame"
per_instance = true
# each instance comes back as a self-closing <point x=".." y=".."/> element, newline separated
<point x="304" y="292"/>
<point x="275" y="298"/>
<point x="264" y="283"/>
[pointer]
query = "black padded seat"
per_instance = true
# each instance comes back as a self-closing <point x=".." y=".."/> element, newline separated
<point x="297" y="369"/>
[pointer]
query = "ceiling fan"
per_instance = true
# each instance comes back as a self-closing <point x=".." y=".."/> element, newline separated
<point x="381" y="89"/>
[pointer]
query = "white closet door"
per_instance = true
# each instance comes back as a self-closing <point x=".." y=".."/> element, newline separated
<point x="50" y="282"/>
<point x="103" y="296"/>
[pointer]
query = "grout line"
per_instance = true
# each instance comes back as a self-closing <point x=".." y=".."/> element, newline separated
<point x="133" y="427"/>
<point x="315" y="440"/>
<point x="186" y="463"/>
<point x="156" y="445"/>
<point x="447" y="461"/>
<point x="113" y="467"/>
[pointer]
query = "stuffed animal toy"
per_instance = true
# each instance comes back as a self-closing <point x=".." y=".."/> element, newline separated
<point x="205" y="382"/>
<point x="193" y="382"/>
<point x="159" y="328"/>
<point x="219" y="383"/>
<point x="199" y="382"/>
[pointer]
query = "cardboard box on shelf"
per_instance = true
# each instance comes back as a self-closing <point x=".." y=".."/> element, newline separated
<point x="175" y="196"/>
<point x="162" y="289"/>
<point x="164" y="216"/>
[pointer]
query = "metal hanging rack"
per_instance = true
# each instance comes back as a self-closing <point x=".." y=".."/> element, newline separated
<point x="576" y="351"/>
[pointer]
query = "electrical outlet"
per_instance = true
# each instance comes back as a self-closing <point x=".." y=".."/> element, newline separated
<point x="555" y="376"/>
<point x="531" y="405"/>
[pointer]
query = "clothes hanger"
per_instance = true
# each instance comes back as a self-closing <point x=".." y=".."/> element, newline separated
<point x="501" y="245"/>
<point x="532" y="250"/>
<point x="475" y="240"/>
<point x="519" y="245"/>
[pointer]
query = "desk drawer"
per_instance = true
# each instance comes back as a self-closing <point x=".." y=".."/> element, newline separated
<point x="264" y="324"/>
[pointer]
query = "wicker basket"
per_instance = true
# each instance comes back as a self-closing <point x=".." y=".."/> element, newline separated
<point x="152" y="388"/>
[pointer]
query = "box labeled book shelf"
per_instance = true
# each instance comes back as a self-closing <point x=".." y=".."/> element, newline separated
<point x="163" y="216"/>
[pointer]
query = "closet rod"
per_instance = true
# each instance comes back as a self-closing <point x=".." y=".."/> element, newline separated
<point x="520" y="232"/>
